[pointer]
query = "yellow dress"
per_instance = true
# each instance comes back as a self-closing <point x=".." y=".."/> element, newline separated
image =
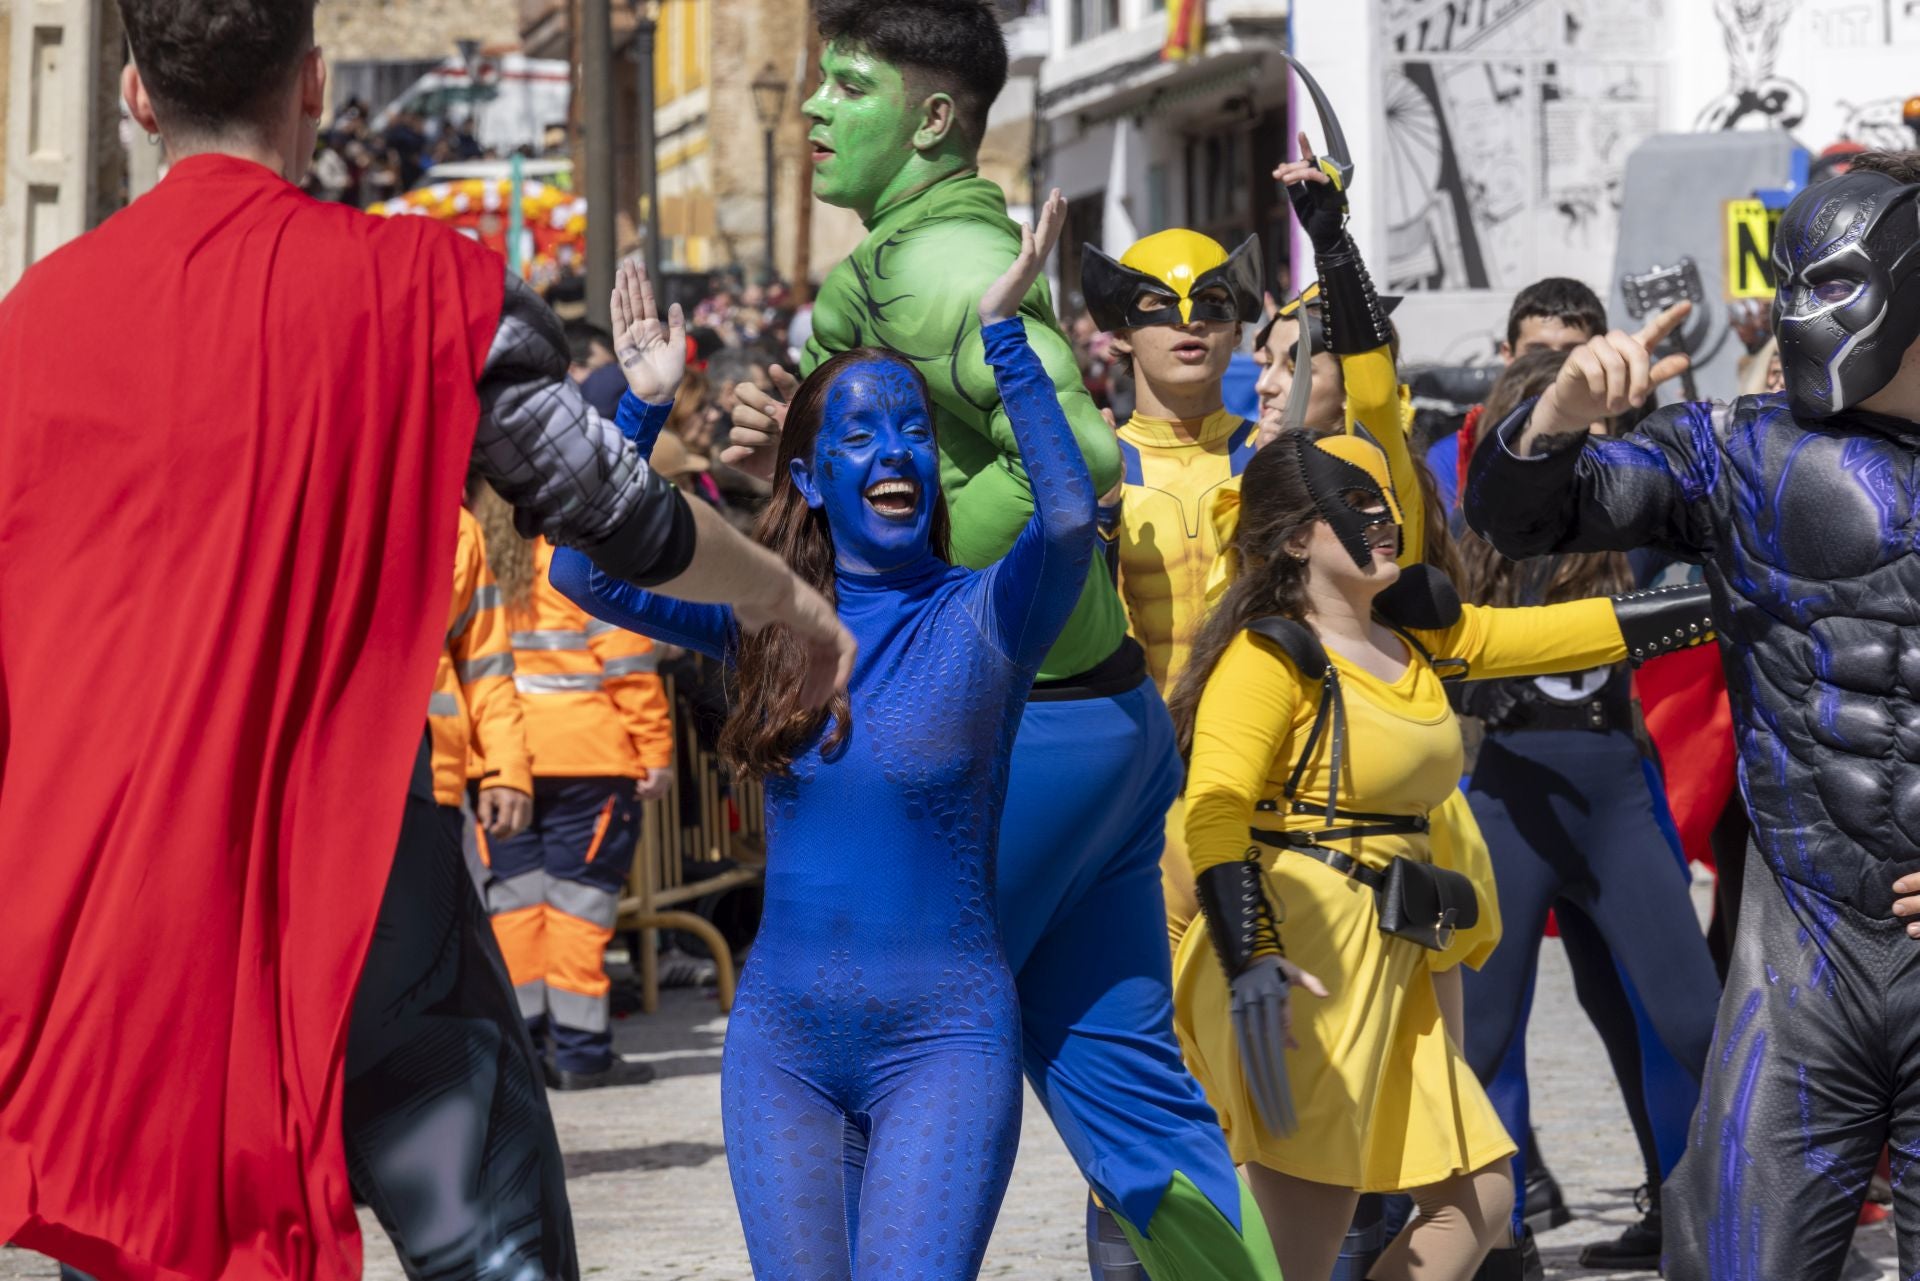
<point x="1385" y="1099"/>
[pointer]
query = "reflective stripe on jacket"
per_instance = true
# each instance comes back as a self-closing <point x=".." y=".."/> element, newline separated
<point x="593" y="701"/>
<point x="474" y="713"/>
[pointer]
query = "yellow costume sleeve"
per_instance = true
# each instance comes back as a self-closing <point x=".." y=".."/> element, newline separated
<point x="1374" y="402"/>
<point x="1532" y="640"/>
<point x="1245" y="719"/>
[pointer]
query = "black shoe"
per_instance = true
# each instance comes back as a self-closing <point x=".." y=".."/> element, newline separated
<point x="621" y="1073"/>
<point x="1513" y="1263"/>
<point x="1545" y="1208"/>
<point x="1635" y="1250"/>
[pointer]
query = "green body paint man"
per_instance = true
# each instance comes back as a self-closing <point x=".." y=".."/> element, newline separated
<point x="938" y="234"/>
<point x="895" y="133"/>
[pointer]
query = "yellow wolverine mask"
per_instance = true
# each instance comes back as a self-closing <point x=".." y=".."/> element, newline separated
<point x="1176" y="264"/>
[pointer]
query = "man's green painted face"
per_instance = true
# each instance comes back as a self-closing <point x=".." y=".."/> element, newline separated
<point x="863" y="127"/>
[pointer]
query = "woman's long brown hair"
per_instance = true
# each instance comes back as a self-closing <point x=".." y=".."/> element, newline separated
<point x="1490" y="578"/>
<point x="1274" y="505"/>
<point x="767" y="725"/>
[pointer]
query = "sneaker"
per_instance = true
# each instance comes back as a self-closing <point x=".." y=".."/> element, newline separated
<point x="620" y="1072"/>
<point x="678" y="969"/>
<point x="1545" y="1207"/>
<point x="1635" y="1250"/>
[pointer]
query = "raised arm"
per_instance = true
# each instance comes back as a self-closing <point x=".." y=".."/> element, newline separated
<point x="1539" y="484"/>
<point x="576" y="479"/>
<point x="1357" y="333"/>
<point x="1575" y="493"/>
<point x="1030" y="592"/>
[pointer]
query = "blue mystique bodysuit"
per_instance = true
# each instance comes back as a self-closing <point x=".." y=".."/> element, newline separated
<point x="871" y="1078"/>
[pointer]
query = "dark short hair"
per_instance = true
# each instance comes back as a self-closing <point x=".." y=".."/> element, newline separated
<point x="1901" y="166"/>
<point x="212" y="64"/>
<point x="955" y="45"/>
<point x="1558" y="298"/>
<point x="581" y="336"/>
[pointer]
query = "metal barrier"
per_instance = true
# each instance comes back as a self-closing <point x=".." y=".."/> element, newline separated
<point x="670" y="838"/>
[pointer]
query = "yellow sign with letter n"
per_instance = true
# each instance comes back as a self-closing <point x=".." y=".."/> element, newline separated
<point x="1750" y="228"/>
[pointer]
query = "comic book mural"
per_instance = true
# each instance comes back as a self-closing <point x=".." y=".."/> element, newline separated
<point x="1508" y="123"/>
<point x="1827" y="70"/>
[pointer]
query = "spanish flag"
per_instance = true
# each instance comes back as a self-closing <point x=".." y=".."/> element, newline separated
<point x="1186" y="30"/>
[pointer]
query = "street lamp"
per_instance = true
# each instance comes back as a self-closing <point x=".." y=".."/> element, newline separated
<point x="769" y="99"/>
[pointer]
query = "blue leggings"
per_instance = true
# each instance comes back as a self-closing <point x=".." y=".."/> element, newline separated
<point x="926" y="1133"/>
<point x="1572" y="818"/>
<point x="1084" y="924"/>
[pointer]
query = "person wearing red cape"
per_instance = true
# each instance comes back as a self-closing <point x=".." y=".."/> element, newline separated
<point x="234" y="428"/>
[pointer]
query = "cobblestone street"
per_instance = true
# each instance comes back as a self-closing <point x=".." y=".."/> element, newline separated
<point x="652" y="1203"/>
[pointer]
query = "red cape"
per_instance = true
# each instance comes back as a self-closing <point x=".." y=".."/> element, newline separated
<point x="1684" y="699"/>
<point x="234" y="424"/>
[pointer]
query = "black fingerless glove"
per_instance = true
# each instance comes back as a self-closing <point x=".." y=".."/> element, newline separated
<point x="1661" y="620"/>
<point x="1322" y="210"/>
<point x="1240" y="918"/>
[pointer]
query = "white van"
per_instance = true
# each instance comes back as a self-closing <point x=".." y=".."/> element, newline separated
<point x="512" y="99"/>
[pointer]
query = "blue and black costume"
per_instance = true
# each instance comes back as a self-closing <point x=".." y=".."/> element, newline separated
<point x="871" y="1079"/>
<point x="1805" y="512"/>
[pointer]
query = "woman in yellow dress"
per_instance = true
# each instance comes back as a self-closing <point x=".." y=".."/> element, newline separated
<point x="1296" y="685"/>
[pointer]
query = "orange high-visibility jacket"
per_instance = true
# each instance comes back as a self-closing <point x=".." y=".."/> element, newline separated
<point x="474" y="710"/>
<point x="592" y="697"/>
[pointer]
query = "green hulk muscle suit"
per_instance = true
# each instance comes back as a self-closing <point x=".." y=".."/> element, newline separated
<point x="895" y="131"/>
<point x="907" y="287"/>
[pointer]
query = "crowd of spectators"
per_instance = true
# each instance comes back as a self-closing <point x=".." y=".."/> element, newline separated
<point x="358" y="164"/>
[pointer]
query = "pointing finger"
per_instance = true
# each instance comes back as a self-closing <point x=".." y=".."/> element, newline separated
<point x="1635" y="357"/>
<point x="1657" y="330"/>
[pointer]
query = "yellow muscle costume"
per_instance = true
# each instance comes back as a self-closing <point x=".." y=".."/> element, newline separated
<point x="1167" y="544"/>
<point x="1386" y="1101"/>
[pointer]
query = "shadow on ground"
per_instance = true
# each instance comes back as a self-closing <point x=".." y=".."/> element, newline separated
<point x="654" y="1156"/>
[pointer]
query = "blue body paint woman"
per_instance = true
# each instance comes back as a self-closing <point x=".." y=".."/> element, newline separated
<point x="871" y="1079"/>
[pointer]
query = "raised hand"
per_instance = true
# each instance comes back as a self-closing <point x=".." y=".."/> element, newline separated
<point x="1320" y="206"/>
<point x="1607" y="376"/>
<point x="754" y="444"/>
<point x="653" y="356"/>
<point x="1002" y="299"/>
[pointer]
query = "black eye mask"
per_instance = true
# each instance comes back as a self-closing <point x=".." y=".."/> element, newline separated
<point x="1333" y="467"/>
<point x="1112" y="290"/>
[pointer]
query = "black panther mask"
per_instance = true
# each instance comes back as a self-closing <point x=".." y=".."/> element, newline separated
<point x="1846" y="259"/>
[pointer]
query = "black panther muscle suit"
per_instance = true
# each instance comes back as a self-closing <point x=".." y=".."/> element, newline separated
<point x="1805" y="512"/>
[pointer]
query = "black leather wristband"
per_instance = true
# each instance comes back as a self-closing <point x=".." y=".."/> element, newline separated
<point x="1355" y="321"/>
<point x="1240" y="918"/>
<point x="1661" y="620"/>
